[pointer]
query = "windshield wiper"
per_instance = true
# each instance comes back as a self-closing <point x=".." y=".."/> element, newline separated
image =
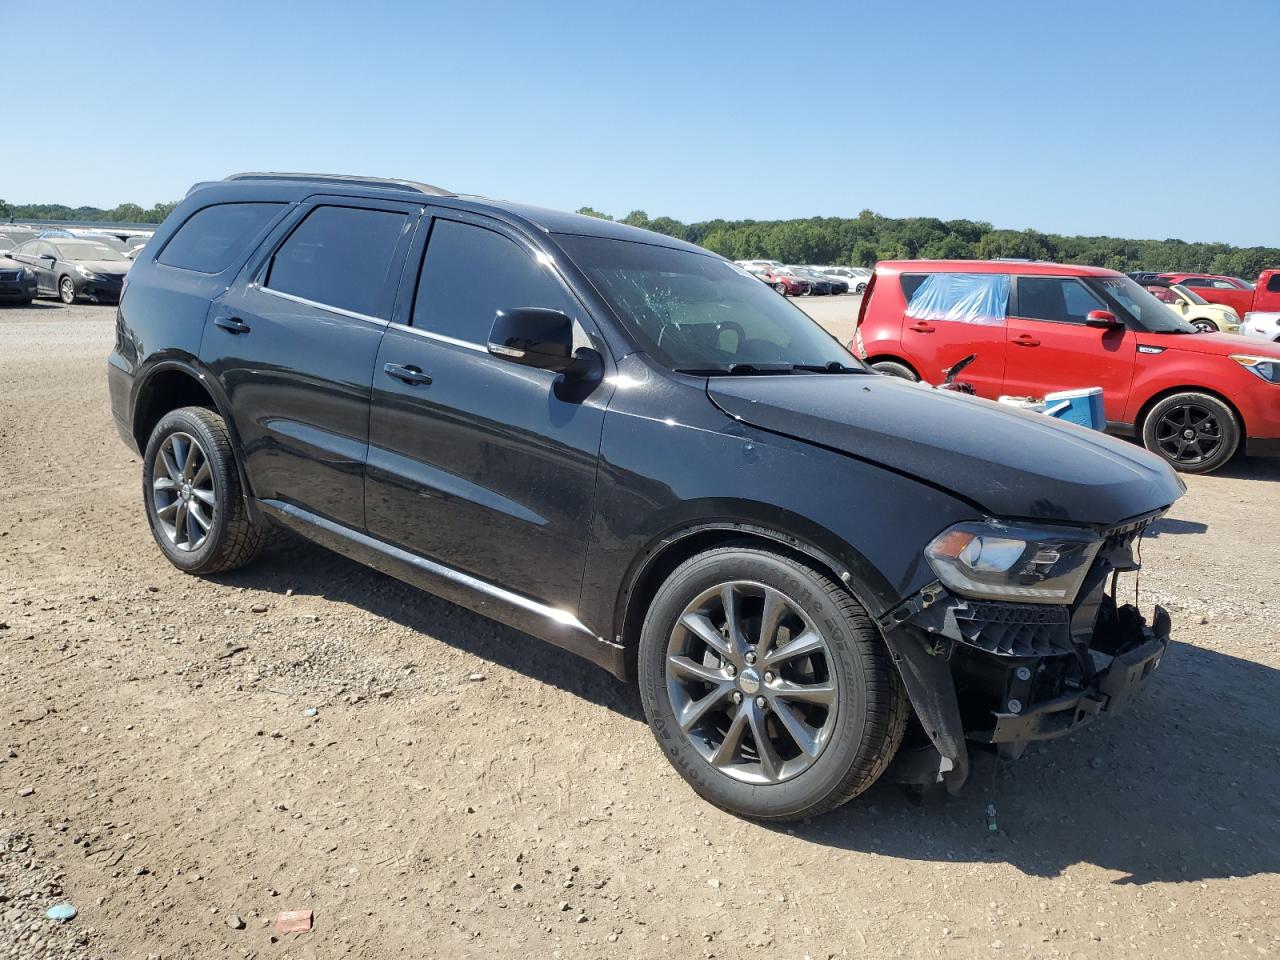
<point x="736" y="369"/>
<point x="741" y="369"/>
<point x="835" y="366"/>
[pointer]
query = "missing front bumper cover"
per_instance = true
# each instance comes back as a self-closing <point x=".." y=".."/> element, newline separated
<point x="1063" y="679"/>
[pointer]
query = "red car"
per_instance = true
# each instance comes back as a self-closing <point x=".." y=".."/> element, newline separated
<point x="1190" y="397"/>
<point x="784" y="282"/>
<point x="1244" y="297"/>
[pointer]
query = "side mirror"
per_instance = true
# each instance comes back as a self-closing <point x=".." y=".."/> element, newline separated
<point x="48" y="256"/>
<point x="1102" y="318"/>
<point x="534" y="337"/>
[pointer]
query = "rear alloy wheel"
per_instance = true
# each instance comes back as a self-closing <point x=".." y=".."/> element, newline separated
<point x="894" y="369"/>
<point x="193" y="497"/>
<point x="767" y="685"/>
<point x="1194" y="432"/>
<point x="67" y="290"/>
<point x="781" y="288"/>
<point x="1204" y="326"/>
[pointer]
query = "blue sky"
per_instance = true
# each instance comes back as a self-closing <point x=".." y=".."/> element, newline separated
<point x="1123" y="118"/>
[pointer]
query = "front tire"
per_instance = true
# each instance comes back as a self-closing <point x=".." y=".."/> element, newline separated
<point x="1204" y="326"/>
<point x="781" y="288"/>
<point x="861" y="288"/>
<point x="67" y="290"/>
<point x="193" y="497"/>
<point x="767" y="685"/>
<point x="1193" y="432"/>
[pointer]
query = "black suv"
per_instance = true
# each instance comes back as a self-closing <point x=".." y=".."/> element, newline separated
<point x="628" y="447"/>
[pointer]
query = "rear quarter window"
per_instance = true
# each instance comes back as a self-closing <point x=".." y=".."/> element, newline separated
<point x="212" y="238"/>
<point x="960" y="297"/>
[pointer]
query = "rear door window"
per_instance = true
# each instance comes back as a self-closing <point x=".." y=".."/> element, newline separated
<point x="211" y="238"/>
<point x="959" y="297"/>
<point x="1273" y="283"/>
<point x="1056" y="299"/>
<point x="470" y="273"/>
<point x="340" y="257"/>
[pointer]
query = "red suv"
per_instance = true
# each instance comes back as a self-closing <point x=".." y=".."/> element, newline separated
<point x="1037" y="327"/>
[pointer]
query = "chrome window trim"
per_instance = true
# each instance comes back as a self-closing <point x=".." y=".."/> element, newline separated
<point x="439" y="337"/>
<point x="321" y="306"/>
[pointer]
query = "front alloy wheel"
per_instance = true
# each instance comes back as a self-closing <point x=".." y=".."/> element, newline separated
<point x="767" y="685"/>
<point x="1205" y="326"/>
<point x="67" y="290"/>
<point x="749" y="677"/>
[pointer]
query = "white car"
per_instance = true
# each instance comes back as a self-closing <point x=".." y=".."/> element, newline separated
<point x="1257" y="323"/>
<point x="856" y="277"/>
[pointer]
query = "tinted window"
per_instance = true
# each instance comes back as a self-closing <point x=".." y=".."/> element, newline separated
<point x="1060" y="299"/>
<point x="340" y="257"/>
<point x="910" y="284"/>
<point x="211" y="238"/>
<point x="1195" y="282"/>
<point x="1273" y="283"/>
<point x="471" y="273"/>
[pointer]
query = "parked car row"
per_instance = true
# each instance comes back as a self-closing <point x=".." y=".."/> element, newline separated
<point x="802" y="280"/>
<point x="69" y="264"/>
<point x="1039" y="327"/>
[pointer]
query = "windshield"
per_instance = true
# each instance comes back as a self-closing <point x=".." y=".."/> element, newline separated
<point x="1150" y="313"/>
<point x="88" y="250"/>
<point x="697" y="313"/>
<point x="1189" y="294"/>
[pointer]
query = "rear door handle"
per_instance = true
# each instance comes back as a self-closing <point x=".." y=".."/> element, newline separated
<point x="408" y="373"/>
<point x="921" y="327"/>
<point x="1025" y="340"/>
<point x="232" y="324"/>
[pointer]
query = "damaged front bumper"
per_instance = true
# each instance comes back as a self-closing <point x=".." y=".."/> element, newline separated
<point x="1004" y="675"/>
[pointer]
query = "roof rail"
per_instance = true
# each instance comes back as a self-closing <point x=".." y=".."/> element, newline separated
<point x="383" y="182"/>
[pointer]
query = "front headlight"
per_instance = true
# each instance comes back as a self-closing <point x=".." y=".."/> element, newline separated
<point x="1267" y="368"/>
<point x="87" y="274"/>
<point x="1008" y="561"/>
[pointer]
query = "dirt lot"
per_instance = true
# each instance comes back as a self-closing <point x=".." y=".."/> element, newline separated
<point x="464" y="790"/>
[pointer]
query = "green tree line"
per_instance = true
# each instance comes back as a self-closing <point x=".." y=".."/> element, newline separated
<point x="861" y="241"/>
<point x="125" y="213"/>
<point x="858" y="241"/>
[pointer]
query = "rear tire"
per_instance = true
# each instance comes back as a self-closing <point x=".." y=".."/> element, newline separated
<point x="192" y="494"/>
<point x="1212" y="425"/>
<point x="892" y="368"/>
<point x="831" y="717"/>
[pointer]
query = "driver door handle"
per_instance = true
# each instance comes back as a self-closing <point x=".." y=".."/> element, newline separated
<point x="1025" y="340"/>
<point x="921" y="327"/>
<point x="409" y="374"/>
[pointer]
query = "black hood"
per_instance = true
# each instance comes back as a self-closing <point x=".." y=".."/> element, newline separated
<point x="1013" y="463"/>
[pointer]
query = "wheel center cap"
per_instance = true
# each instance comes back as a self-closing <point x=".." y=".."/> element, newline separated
<point x="1189" y="434"/>
<point x="749" y="680"/>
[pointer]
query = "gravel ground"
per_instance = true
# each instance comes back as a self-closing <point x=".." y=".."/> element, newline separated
<point x="463" y="790"/>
